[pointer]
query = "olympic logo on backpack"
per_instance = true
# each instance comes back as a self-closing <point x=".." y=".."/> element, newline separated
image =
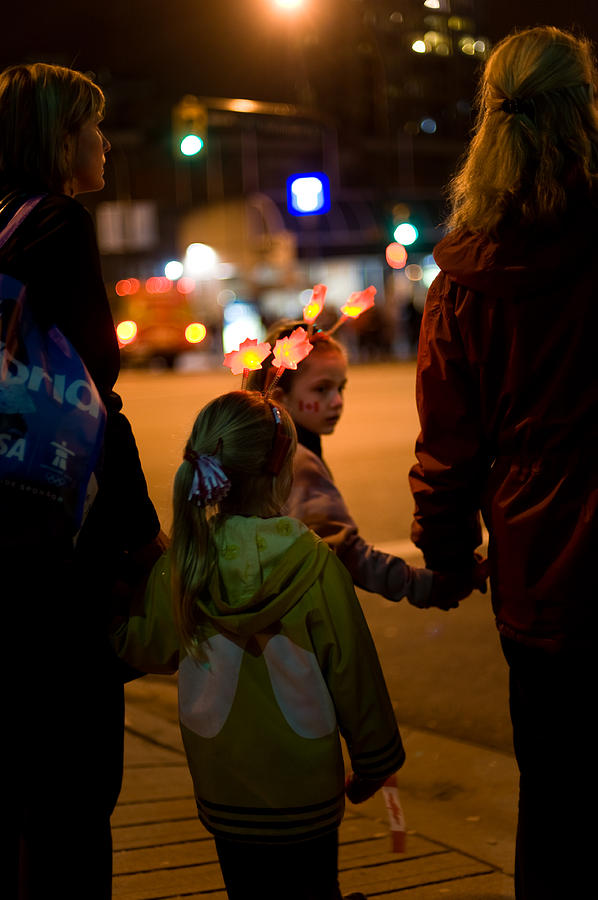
<point x="52" y="418"/>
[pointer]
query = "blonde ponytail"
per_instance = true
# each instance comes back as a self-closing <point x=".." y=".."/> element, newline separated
<point x="536" y="134"/>
<point x="240" y="430"/>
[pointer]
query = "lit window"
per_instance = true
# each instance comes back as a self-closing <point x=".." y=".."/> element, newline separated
<point x="459" y="23"/>
<point x="466" y="45"/>
<point x="481" y="47"/>
<point x="428" y="126"/>
<point x="437" y="42"/>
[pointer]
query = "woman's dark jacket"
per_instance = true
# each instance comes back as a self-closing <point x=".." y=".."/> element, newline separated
<point x="54" y="252"/>
<point x="507" y="392"/>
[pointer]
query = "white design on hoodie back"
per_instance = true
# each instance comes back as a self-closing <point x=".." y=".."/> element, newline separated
<point x="207" y="690"/>
<point x="299" y="688"/>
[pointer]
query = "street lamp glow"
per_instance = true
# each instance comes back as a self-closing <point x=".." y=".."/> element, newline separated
<point x="418" y="46"/>
<point x="288" y="4"/>
<point x="200" y="260"/>
<point x="173" y="269"/>
<point x="126" y="332"/>
<point x="195" y="332"/>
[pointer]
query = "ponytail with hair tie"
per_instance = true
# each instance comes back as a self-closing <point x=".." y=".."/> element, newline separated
<point x="210" y="483"/>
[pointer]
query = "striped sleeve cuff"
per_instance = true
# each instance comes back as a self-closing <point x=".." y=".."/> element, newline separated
<point x="382" y="762"/>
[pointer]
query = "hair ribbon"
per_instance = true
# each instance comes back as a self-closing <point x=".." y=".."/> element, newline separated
<point x="210" y="483"/>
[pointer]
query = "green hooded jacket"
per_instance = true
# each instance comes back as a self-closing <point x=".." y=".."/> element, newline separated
<point x="285" y="662"/>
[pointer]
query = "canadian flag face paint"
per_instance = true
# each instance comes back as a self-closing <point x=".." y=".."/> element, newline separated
<point x="309" y="407"/>
<point x="315" y="398"/>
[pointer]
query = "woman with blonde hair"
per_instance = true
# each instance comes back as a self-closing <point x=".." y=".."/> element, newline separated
<point x="64" y="710"/>
<point x="507" y="396"/>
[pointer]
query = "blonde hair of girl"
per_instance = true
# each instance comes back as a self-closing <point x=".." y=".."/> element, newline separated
<point x="239" y="429"/>
<point x="524" y="159"/>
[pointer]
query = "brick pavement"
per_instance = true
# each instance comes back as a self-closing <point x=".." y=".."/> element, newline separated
<point x="455" y="848"/>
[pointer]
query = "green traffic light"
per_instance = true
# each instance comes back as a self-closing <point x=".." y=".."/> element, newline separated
<point x="405" y="233"/>
<point x="191" y="145"/>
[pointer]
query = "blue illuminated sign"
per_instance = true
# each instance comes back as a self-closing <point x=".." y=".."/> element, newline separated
<point x="308" y="193"/>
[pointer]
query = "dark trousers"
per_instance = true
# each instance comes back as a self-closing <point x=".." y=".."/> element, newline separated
<point x="64" y="725"/>
<point x="553" y="707"/>
<point x="303" y="871"/>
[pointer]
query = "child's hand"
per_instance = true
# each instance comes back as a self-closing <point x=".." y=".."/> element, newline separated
<point x="360" y="789"/>
<point x="449" y="588"/>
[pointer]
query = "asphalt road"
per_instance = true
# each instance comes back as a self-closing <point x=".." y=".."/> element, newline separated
<point x="444" y="670"/>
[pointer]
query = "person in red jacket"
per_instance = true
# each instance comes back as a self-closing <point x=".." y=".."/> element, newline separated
<point x="507" y="392"/>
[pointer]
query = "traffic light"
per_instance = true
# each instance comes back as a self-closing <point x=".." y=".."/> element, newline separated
<point x="189" y="126"/>
<point x="406" y="233"/>
<point x="308" y="193"/>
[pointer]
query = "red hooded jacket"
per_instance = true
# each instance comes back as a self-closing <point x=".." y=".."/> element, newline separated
<point x="507" y="393"/>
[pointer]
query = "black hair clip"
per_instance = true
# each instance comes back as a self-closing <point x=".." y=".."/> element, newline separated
<point x="518" y="106"/>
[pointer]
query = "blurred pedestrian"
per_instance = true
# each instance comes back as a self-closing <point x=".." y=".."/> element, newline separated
<point x="64" y="684"/>
<point x="507" y="390"/>
<point x="274" y="658"/>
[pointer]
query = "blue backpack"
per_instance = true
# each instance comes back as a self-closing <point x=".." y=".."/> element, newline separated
<point x="52" y="418"/>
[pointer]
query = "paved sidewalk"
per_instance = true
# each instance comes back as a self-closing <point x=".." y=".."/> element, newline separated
<point x="459" y="803"/>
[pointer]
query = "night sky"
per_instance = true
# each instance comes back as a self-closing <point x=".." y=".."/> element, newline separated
<point x="234" y="48"/>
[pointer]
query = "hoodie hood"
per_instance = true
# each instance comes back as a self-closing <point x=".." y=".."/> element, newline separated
<point x="520" y="262"/>
<point x="263" y="568"/>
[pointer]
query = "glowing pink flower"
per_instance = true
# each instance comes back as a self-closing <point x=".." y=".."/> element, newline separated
<point x="288" y="351"/>
<point x="313" y="309"/>
<point x="248" y="357"/>
<point x="358" y="302"/>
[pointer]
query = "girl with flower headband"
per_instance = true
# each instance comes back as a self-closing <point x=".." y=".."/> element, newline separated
<point x="313" y="394"/>
<point x="274" y="658"/>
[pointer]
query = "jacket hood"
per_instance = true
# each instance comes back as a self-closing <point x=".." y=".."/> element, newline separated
<point x="263" y="568"/>
<point x="519" y="263"/>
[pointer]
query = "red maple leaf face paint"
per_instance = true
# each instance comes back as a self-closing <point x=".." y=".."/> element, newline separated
<point x="315" y="398"/>
<point x="309" y="407"/>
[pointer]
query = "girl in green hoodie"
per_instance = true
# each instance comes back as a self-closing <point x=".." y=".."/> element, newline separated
<point x="274" y="656"/>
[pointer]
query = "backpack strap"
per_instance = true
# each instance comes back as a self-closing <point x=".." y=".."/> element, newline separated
<point x="19" y="217"/>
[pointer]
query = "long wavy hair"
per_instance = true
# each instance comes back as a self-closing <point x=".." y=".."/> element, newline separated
<point x="521" y="165"/>
<point x="41" y="108"/>
<point x="238" y="428"/>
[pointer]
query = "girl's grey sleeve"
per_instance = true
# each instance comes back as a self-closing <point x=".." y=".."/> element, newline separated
<point x="317" y="502"/>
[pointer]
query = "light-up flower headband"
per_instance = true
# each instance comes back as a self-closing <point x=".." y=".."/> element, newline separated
<point x="291" y="350"/>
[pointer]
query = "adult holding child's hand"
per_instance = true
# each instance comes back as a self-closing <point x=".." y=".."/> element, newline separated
<point x="507" y="392"/>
